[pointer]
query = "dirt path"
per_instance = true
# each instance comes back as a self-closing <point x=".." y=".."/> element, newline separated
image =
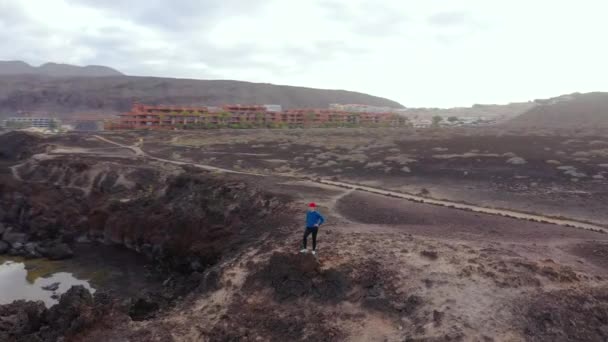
<point x="470" y="207"/>
<point x="140" y="152"/>
<point x="455" y="205"/>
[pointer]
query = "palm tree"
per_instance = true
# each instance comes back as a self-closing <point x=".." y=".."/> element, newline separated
<point x="309" y="118"/>
<point x="223" y="116"/>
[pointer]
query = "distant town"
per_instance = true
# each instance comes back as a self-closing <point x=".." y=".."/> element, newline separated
<point x="173" y="117"/>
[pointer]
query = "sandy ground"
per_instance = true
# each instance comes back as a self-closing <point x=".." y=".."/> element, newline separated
<point x="389" y="269"/>
<point x="554" y="173"/>
<point x="436" y="274"/>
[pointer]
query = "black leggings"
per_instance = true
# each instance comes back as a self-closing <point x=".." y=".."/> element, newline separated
<point x="314" y="231"/>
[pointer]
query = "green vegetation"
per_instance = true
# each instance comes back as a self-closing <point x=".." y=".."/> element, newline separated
<point x="437" y="120"/>
<point x="53" y="124"/>
<point x="17" y="125"/>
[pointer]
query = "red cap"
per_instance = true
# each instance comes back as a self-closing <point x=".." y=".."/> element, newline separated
<point x="312" y="204"/>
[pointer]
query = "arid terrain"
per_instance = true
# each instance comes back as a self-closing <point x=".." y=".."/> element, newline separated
<point x="221" y="213"/>
<point x="68" y="91"/>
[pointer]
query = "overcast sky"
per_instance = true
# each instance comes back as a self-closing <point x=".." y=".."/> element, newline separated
<point x="418" y="52"/>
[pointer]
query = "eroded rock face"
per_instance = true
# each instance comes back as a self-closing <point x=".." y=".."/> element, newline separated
<point x="15" y="146"/>
<point x="185" y="221"/>
<point x="4" y="247"/>
<point x="20" y="319"/>
<point x="31" y="321"/>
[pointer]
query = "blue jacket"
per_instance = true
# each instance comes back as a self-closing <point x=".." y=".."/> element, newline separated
<point x="313" y="218"/>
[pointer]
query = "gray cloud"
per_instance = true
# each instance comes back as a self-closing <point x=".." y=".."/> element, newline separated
<point x="451" y="19"/>
<point x="368" y="18"/>
<point x="387" y="47"/>
<point x="175" y="15"/>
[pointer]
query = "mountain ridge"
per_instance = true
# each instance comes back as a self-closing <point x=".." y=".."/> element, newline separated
<point x="56" y="70"/>
<point x="577" y="110"/>
<point x="115" y="94"/>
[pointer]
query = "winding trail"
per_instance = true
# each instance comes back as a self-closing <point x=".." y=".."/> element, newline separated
<point x="354" y="187"/>
<point x="139" y="152"/>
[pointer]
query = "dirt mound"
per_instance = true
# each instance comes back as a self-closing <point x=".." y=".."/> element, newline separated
<point x="15" y="146"/>
<point x="293" y="276"/>
<point x="300" y="276"/>
<point x="292" y="297"/>
<point x="568" y="316"/>
<point x="594" y="251"/>
<point x="569" y="111"/>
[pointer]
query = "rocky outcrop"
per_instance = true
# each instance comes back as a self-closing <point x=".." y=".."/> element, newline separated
<point x="76" y="311"/>
<point x="195" y="221"/>
<point x="15" y="146"/>
<point x="186" y="221"/>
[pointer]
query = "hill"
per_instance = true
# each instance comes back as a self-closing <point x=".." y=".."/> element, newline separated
<point x="113" y="94"/>
<point x="55" y="70"/>
<point x="567" y="111"/>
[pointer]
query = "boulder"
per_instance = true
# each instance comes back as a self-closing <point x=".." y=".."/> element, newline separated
<point x="58" y="251"/>
<point x="21" y="319"/>
<point x="4" y="247"/>
<point x="31" y="250"/>
<point x="13" y="237"/>
<point x="143" y="307"/>
<point x="52" y="287"/>
<point x="73" y="312"/>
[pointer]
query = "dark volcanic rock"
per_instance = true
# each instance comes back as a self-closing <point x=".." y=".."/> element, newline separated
<point x="20" y="320"/>
<point x="58" y="251"/>
<point x="52" y="287"/>
<point x="4" y="247"/>
<point x="17" y="145"/>
<point x="567" y="316"/>
<point x="143" y="308"/>
<point x="74" y="311"/>
<point x="31" y="250"/>
<point x="294" y="276"/>
<point x="13" y="237"/>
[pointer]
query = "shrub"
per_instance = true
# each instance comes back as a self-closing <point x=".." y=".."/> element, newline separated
<point x="402" y="159"/>
<point x="516" y="161"/>
<point x="373" y="165"/>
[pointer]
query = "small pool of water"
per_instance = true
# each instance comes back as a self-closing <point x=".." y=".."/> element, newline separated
<point x="112" y="269"/>
<point x="16" y="283"/>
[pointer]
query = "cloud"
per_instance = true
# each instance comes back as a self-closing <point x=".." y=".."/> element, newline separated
<point x="415" y="52"/>
<point x="451" y="19"/>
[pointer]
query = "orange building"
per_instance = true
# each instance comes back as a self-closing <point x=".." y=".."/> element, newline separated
<point x="171" y="117"/>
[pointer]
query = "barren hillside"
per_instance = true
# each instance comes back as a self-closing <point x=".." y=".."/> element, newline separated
<point x="110" y="95"/>
<point x="568" y="111"/>
<point x="56" y="70"/>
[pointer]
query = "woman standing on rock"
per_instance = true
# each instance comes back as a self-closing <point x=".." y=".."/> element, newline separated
<point x="313" y="221"/>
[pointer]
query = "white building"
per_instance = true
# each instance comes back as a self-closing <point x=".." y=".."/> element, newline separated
<point x="359" y="108"/>
<point x="273" y="108"/>
<point x="26" y="122"/>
